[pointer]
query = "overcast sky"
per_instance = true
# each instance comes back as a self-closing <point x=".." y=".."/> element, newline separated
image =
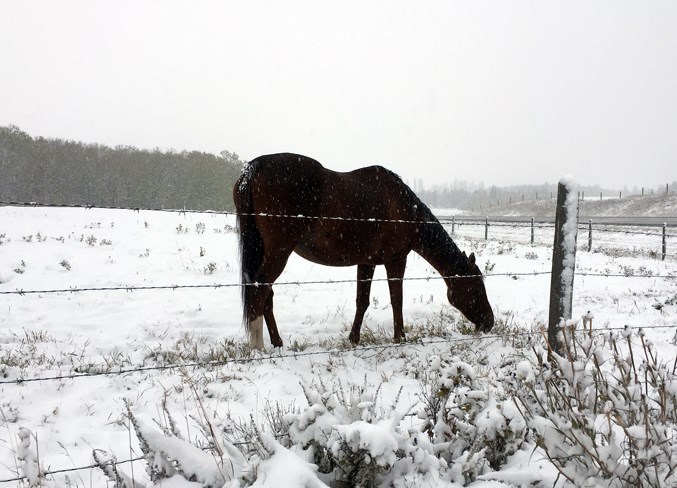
<point x="503" y="92"/>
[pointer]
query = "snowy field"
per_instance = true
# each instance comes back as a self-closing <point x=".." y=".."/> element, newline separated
<point x="85" y="333"/>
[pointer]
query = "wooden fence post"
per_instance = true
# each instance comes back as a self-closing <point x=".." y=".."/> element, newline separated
<point x="532" y="231"/>
<point x="600" y="195"/>
<point x="563" y="260"/>
<point x="664" y="242"/>
<point x="453" y="224"/>
<point x="589" y="235"/>
<point x="486" y="228"/>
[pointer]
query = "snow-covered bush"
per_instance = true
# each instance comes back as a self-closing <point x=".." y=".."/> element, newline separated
<point x="28" y="461"/>
<point x="344" y="437"/>
<point x="168" y="455"/>
<point x="362" y="444"/>
<point x="347" y="438"/>
<point x="471" y="429"/>
<point x="605" y="411"/>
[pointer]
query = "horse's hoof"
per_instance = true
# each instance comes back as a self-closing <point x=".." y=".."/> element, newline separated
<point x="400" y="340"/>
<point x="354" y="339"/>
<point x="277" y="343"/>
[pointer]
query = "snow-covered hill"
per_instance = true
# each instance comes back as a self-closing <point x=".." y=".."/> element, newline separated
<point x="632" y="206"/>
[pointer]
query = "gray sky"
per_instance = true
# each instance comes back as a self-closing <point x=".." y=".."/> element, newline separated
<point x="503" y="92"/>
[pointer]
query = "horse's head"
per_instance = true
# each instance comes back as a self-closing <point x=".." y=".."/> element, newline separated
<point x="467" y="293"/>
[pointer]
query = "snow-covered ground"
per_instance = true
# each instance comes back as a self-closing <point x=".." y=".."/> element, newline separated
<point x="71" y="333"/>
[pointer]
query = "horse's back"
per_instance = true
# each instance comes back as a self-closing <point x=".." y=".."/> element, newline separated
<point x="292" y="184"/>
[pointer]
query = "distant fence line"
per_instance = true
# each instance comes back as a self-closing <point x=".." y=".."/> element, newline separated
<point x="454" y="221"/>
<point x="486" y="223"/>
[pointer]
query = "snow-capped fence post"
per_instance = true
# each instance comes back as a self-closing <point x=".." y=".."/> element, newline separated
<point x="563" y="259"/>
<point x="664" y="247"/>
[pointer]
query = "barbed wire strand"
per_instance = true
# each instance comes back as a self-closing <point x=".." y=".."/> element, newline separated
<point x="295" y="355"/>
<point x="131" y="288"/>
<point x="71" y="470"/>
<point x="221" y="212"/>
<point x="75" y="289"/>
<point x="582" y="226"/>
<point x="444" y="221"/>
<point x="224" y="362"/>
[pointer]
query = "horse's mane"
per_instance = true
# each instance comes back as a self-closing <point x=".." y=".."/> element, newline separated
<point x="424" y="213"/>
<point x="432" y="232"/>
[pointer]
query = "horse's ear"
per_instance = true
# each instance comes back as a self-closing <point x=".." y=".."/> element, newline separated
<point x="471" y="258"/>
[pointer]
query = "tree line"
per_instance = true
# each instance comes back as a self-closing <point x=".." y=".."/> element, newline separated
<point x="58" y="171"/>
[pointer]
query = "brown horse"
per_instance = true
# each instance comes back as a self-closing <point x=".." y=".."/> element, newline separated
<point x="290" y="203"/>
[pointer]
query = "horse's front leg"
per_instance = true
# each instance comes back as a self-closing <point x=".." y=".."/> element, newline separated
<point x="275" y="338"/>
<point x="365" y="273"/>
<point x="395" y="272"/>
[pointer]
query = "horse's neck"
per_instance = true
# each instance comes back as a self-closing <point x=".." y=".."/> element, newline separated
<point x="439" y="249"/>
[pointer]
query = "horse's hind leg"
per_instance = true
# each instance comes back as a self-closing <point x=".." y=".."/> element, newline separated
<point x="275" y="338"/>
<point x="256" y="333"/>
<point x="261" y="300"/>
<point x="365" y="273"/>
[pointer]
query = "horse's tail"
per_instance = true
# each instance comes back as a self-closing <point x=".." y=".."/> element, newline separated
<point x="250" y="240"/>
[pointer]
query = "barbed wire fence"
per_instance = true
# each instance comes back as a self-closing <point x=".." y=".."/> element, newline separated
<point x="357" y="350"/>
<point x="271" y="357"/>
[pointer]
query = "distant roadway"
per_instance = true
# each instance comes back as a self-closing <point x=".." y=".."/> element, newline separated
<point x="632" y="221"/>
